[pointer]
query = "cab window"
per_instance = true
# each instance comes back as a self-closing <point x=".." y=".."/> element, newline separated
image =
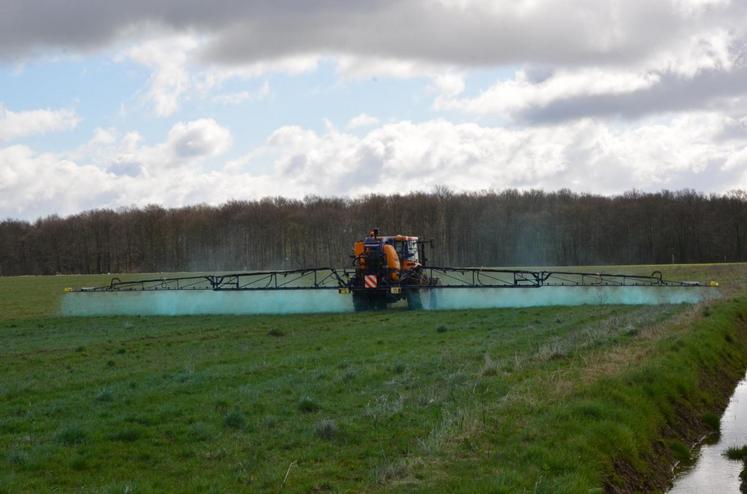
<point x="407" y="249"/>
<point x="412" y="249"/>
<point x="401" y="248"/>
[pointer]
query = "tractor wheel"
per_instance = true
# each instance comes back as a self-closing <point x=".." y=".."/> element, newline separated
<point x="378" y="301"/>
<point x="413" y="300"/>
<point x="360" y="302"/>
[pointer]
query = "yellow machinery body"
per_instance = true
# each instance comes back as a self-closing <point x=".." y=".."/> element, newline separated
<point x="399" y="251"/>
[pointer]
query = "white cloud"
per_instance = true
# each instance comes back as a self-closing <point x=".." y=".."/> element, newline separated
<point x="584" y="155"/>
<point x="16" y="125"/>
<point x="198" y="139"/>
<point x="464" y="32"/>
<point x="210" y="76"/>
<point x="177" y="75"/>
<point x="714" y="48"/>
<point x="118" y="170"/>
<point x="362" y="120"/>
<point x="401" y="39"/>
<point x="594" y="48"/>
<point x="168" y="58"/>
<point x="35" y="184"/>
<point x="701" y="70"/>
<point x="188" y="146"/>
<point x="516" y="95"/>
<point x="446" y="80"/>
<point x="366" y="67"/>
<point x="676" y="70"/>
<point x="449" y="83"/>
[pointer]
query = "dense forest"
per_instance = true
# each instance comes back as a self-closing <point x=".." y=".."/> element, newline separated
<point x="506" y="228"/>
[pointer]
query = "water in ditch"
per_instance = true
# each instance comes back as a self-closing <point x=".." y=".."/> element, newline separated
<point x="713" y="472"/>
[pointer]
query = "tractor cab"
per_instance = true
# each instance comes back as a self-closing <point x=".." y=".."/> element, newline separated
<point x="407" y="250"/>
<point x="394" y="252"/>
<point x="387" y="268"/>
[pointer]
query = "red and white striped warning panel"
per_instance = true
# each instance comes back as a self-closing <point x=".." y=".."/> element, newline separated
<point x="370" y="281"/>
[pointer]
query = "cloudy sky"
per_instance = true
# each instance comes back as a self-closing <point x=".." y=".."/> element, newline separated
<point x="114" y="104"/>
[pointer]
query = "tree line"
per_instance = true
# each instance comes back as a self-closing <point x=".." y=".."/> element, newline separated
<point x="508" y="228"/>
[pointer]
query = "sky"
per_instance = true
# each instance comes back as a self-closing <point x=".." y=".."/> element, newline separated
<point x="120" y="104"/>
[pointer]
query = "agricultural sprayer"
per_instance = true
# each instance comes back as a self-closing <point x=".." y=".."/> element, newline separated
<point x="385" y="270"/>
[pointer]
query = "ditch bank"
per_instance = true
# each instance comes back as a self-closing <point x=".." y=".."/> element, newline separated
<point x="680" y="395"/>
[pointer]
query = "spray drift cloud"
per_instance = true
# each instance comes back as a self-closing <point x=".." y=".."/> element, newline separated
<point x="204" y="302"/>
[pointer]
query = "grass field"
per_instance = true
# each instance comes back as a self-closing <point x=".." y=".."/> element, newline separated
<point x="532" y="400"/>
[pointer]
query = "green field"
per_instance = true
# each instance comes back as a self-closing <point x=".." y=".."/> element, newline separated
<point x="574" y="399"/>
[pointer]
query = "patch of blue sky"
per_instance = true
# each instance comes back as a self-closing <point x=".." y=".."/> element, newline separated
<point x="94" y="87"/>
<point x="480" y="79"/>
<point x="307" y="101"/>
<point x="111" y="94"/>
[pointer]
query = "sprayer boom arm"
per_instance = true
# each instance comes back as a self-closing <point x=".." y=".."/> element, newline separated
<point x="436" y="277"/>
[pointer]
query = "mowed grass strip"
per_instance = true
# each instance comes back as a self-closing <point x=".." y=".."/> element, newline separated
<point x="494" y="400"/>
